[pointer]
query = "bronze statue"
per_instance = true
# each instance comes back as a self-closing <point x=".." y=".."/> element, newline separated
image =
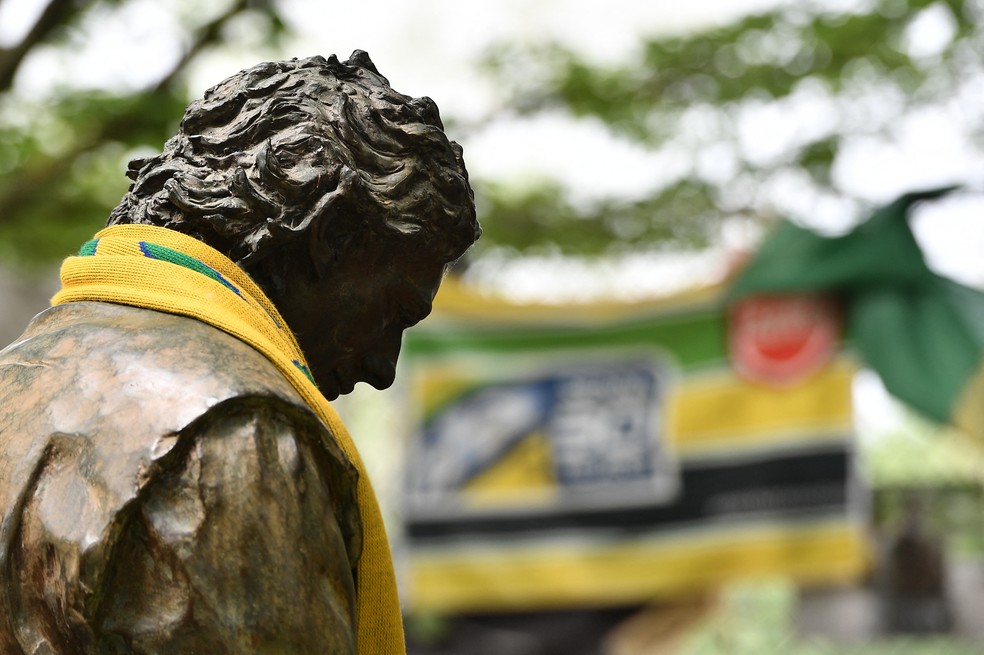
<point x="167" y="484"/>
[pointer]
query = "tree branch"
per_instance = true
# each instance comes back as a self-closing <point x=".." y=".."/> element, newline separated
<point x="208" y="34"/>
<point x="55" y="15"/>
<point x="34" y="179"/>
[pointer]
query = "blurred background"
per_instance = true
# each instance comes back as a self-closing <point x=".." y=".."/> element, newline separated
<point x="623" y="153"/>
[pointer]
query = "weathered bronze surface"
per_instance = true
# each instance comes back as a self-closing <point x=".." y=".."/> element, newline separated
<point x="163" y="488"/>
<point x="167" y="497"/>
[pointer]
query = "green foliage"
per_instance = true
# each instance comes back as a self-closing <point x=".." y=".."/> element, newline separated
<point x="690" y="93"/>
<point x="921" y="455"/>
<point x="63" y="156"/>
<point x="66" y="163"/>
<point x="756" y="618"/>
<point x="751" y="618"/>
<point x="540" y="218"/>
<point x="763" y="56"/>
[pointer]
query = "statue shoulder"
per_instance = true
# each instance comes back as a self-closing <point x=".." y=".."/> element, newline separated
<point x="130" y="350"/>
<point x="124" y="380"/>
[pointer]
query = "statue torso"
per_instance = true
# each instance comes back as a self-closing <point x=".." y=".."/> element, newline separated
<point x="123" y="427"/>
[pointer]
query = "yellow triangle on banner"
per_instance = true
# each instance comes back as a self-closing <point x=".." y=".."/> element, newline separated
<point x="523" y="473"/>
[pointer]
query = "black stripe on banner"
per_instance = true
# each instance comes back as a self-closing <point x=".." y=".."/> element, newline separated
<point x="779" y="486"/>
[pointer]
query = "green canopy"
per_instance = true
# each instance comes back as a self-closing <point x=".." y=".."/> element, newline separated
<point x="922" y="333"/>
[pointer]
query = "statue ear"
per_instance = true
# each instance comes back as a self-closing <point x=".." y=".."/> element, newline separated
<point x="321" y="248"/>
<point x="332" y="223"/>
<point x="333" y="236"/>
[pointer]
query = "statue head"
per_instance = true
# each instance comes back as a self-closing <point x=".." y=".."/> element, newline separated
<point x="343" y="199"/>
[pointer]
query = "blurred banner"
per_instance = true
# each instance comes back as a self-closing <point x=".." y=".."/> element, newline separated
<point x="615" y="453"/>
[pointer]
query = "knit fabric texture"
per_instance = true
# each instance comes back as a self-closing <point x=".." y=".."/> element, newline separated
<point x="163" y="270"/>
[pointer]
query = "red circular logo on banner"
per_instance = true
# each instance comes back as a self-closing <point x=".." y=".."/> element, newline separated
<point x="779" y="340"/>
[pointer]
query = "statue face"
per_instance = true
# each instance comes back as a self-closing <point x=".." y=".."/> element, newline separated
<point x="350" y="324"/>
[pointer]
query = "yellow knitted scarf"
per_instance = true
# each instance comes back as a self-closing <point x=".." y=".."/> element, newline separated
<point x="160" y="269"/>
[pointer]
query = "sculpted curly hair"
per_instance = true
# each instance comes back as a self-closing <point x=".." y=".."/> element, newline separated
<point x="293" y="153"/>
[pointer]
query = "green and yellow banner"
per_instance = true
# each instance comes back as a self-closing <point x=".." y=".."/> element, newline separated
<point x="615" y="453"/>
